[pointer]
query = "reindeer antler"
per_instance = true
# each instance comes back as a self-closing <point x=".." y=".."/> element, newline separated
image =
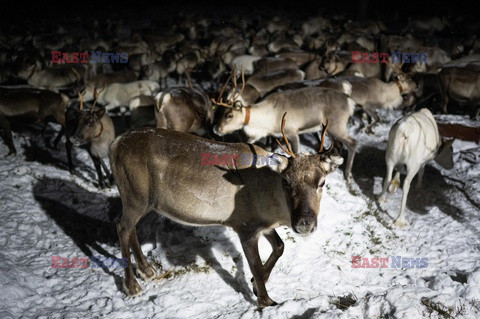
<point x="289" y="149"/>
<point x="219" y="100"/>
<point x="80" y="99"/>
<point x="75" y="72"/>
<point x="234" y="97"/>
<point x="187" y="74"/>
<point x="322" y="141"/>
<point x="96" y="95"/>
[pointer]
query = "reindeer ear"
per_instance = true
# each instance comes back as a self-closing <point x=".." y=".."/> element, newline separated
<point x="278" y="163"/>
<point x="331" y="162"/>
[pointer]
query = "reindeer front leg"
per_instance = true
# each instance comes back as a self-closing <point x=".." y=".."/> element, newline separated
<point x="68" y="150"/>
<point x="98" y="168"/>
<point x="5" y="124"/>
<point x="59" y="137"/>
<point x="295" y="141"/>
<point x="374" y="120"/>
<point x="249" y="242"/>
<point x="277" y="251"/>
<point x="108" y="173"/>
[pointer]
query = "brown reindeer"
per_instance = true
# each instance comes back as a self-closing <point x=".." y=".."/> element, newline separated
<point x="162" y="170"/>
<point x="183" y="109"/>
<point x="33" y="104"/>
<point x="94" y="128"/>
<point x="460" y="83"/>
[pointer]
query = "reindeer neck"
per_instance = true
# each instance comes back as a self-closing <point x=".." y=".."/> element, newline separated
<point x="391" y="95"/>
<point x="261" y="121"/>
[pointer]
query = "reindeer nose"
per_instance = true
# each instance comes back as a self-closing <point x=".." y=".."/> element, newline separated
<point x="215" y="130"/>
<point x="306" y="224"/>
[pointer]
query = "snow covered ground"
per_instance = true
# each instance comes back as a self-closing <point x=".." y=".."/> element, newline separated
<point x="48" y="212"/>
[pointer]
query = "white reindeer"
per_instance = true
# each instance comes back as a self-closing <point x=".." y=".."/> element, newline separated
<point x="413" y="141"/>
<point x="119" y="94"/>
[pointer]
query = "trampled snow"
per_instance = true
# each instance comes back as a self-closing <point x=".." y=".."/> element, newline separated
<point x="203" y="272"/>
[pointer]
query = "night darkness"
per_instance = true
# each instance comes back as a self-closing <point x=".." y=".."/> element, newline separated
<point x="153" y="116"/>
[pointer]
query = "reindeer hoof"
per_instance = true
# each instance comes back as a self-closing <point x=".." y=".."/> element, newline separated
<point x="104" y="185"/>
<point x="266" y="302"/>
<point x="381" y="198"/>
<point x="401" y="223"/>
<point x="348" y="178"/>
<point x="132" y="289"/>
<point x="148" y="273"/>
<point x="392" y="188"/>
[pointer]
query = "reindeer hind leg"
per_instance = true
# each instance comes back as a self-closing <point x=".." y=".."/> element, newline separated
<point x="144" y="269"/>
<point x="5" y="124"/>
<point x="125" y="230"/>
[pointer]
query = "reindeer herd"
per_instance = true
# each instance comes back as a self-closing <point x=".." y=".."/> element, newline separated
<point x="190" y="87"/>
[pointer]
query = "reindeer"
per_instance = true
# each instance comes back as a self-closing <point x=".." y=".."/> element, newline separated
<point x="261" y="83"/>
<point x="315" y="25"/>
<point x="102" y="79"/>
<point x="162" y="170"/>
<point x="365" y="27"/>
<point x="371" y="93"/>
<point x="339" y="62"/>
<point x="298" y="56"/>
<point x="429" y="24"/>
<point x="94" y="128"/>
<point x="183" y="109"/>
<point x="269" y="64"/>
<point x="120" y="94"/>
<point x="460" y="83"/>
<point x="157" y="71"/>
<point x="413" y="140"/>
<point x="314" y="70"/>
<point x="309" y="107"/>
<point x="50" y="78"/>
<point x="246" y="62"/>
<point x="35" y="104"/>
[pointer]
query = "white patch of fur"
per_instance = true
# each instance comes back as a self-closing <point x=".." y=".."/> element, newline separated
<point x="167" y="98"/>
<point x="302" y="74"/>
<point x="134" y="103"/>
<point x="351" y="105"/>
<point x="331" y="163"/>
<point x="346" y="88"/>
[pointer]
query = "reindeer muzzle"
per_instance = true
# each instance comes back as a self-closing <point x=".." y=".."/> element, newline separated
<point x="306" y="223"/>
<point x="215" y="130"/>
<point x="77" y="141"/>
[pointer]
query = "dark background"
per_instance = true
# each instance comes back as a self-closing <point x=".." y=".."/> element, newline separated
<point x="21" y="12"/>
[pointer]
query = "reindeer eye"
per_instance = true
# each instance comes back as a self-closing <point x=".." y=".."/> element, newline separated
<point x="229" y="115"/>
